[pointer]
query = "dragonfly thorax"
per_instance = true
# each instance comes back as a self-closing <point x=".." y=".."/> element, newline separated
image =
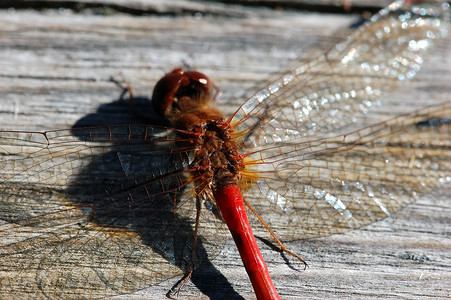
<point x="217" y="162"/>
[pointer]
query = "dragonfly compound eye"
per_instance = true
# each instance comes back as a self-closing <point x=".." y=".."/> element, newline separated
<point x="180" y="89"/>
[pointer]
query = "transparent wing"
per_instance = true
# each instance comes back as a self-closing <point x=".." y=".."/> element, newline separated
<point x="330" y="185"/>
<point x="96" y="212"/>
<point x="344" y="83"/>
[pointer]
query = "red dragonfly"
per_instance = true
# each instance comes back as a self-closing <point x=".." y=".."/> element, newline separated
<point x="161" y="197"/>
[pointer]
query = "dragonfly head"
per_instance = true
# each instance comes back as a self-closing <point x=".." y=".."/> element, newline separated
<point x="181" y="91"/>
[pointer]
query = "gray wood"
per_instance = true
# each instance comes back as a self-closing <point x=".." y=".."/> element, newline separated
<point x="55" y="68"/>
<point x="178" y="7"/>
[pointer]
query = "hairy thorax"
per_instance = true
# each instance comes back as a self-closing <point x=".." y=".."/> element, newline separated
<point x="217" y="162"/>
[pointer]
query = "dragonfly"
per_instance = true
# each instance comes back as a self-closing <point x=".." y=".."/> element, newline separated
<point x="99" y="211"/>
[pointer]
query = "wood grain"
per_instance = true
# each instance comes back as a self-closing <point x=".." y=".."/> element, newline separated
<point x="55" y="71"/>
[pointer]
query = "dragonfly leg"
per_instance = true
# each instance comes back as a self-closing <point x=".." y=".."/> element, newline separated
<point x="175" y="290"/>
<point x="196" y="228"/>
<point x="139" y="106"/>
<point x="127" y="88"/>
<point x="282" y="247"/>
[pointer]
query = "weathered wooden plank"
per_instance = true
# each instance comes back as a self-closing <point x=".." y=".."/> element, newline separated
<point x="56" y="68"/>
<point x="179" y="7"/>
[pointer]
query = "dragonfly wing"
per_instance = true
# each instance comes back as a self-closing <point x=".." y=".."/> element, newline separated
<point x="340" y="86"/>
<point x="52" y="161"/>
<point x="334" y="184"/>
<point x="96" y="212"/>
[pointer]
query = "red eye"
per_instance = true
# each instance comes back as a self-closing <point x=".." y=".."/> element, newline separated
<point x="181" y="86"/>
<point x="198" y="77"/>
<point x="165" y="90"/>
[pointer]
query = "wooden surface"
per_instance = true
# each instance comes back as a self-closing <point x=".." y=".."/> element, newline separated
<point x="55" y="70"/>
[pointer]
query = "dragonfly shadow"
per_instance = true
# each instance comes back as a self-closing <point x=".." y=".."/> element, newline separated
<point x="122" y="112"/>
<point x="288" y="262"/>
<point x="131" y="198"/>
